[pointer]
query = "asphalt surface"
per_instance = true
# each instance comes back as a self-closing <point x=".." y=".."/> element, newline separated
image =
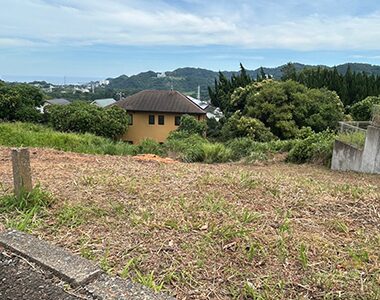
<point x="22" y="280"/>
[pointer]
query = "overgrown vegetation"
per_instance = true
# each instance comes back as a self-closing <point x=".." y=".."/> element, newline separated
<point x="33" y="135"/>
<point x="180" y="145"/>
<point x="23" y="212"/>
<point x="82" y="117"/>
<point x="315" y="148"/>
<point x="18" y="102"/>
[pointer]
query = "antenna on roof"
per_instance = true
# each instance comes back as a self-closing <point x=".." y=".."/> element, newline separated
<point x="171" y="87"/>
<point x="199" y="92"/>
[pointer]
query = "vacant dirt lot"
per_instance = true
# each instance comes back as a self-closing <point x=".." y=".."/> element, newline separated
<point x="277" y="231"/>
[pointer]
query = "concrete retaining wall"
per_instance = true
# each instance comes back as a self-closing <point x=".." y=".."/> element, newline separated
<point x="346" y="157"/>
<point x="349" y="158"/>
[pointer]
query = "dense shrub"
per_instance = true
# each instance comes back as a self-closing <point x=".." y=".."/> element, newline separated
<point x="215" y="153"/>
<point x="18" y="102"/>
<point x="242" y="126"/>
<point x="317" y="147"/>
<point x="246" y="147"/>
<point x="362" y="110"/>
<point x="285" y="107"/>
<point x="187" y="147"/>
<point x="150" y="146"/>
<point x="83" y="117"/>
<point x="191" y="125"/>
<point x="213" y="128"/>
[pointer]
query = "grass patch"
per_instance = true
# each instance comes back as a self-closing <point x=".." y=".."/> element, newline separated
<point x="356" y="138"/>
<point x="32" y="135"/>
<point x="24" y="212"/>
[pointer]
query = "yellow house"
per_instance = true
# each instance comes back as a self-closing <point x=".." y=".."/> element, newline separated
<point x="154" y="114"/>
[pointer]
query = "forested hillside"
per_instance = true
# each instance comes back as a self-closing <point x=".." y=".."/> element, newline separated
<point x="186" y="80"/>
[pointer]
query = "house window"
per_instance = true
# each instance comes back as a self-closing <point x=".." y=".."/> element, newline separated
<point x="130" y="121"/>
<point x="177" y="120"/>
<point x="161" y="120"/>
<point x="151" y="119"/>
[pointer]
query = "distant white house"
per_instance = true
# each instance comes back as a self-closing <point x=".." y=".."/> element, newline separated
<point x="103" y="102"/>
<point x="211" y="111"/>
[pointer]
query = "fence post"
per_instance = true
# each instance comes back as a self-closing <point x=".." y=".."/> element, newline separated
<point x="22" y="177"/>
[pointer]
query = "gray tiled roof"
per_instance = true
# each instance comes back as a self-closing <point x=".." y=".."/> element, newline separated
<point x="58" y="101"/>
<point x="160" y="101"/>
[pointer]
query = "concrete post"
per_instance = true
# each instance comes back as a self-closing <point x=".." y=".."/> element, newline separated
<point x="371" y="153"/>
<point x="22" y="177"/>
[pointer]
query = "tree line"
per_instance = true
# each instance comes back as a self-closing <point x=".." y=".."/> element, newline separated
<point x="351" y="87"/>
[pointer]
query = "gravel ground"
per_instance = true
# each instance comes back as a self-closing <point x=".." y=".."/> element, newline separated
<point x="21" y="280"/>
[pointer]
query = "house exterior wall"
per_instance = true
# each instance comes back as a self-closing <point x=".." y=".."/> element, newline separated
<point x="141" y="129"/>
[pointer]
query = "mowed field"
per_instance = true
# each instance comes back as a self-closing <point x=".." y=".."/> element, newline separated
<point x="222" y="231"/>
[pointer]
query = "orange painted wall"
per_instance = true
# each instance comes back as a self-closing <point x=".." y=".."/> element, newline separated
<point x="141" y="129"/>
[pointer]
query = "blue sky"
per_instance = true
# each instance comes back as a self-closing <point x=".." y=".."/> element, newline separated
<point x="107" y="38"/>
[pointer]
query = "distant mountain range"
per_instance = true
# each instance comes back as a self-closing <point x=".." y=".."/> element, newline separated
<point x="187" y="80"/>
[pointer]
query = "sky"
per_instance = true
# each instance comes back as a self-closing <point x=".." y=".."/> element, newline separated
<point x="99" y="39"/>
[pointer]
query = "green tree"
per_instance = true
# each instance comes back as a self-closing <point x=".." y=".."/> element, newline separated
<point x="83" y="117"/>
<point x="289" y="72"/>
<point x="18" y="102"/>
<point x="362" y="110"/>
<point x="285" y="107"/>
<point x="242" y="126"/>
<point x="220" y="95"/>
<point x="190" y="125"/>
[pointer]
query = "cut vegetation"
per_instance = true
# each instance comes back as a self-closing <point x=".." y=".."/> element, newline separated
<point x="199" y="231"/>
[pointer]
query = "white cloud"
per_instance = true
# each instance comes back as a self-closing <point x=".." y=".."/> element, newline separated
<point x="155" y="22"/>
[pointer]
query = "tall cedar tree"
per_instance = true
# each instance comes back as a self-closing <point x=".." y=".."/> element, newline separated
<point x="351" y="87"/>
<point x="220" y="95"/>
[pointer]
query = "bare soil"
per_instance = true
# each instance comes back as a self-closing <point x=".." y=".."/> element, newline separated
<point x="222" y="231"/>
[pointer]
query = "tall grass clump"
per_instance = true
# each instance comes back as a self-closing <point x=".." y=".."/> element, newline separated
<point x="216" y="153"/>
<point x="248" y="148"/>
<point x="32" y="135"/>
<point x="150" y="146"/>
<point x="186" y="147"/>
<point x="22" y="212"/>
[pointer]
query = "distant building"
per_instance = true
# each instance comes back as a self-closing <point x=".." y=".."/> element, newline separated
<point x="56" y="101"/>
<point x="154" y="114"/>
<point x="103" y="102"/>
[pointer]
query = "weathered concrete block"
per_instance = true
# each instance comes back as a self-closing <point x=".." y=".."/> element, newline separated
<point x="111" y="288"/>
<point x="371" y="153"/>
<point x="346" y="157"/>
<point x="71" y="268"/>
<point x="22" y="177"/>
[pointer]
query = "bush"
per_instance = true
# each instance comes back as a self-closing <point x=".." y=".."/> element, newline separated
<point x="245" y="147"/>
<point x="151" y="147"/>
<point x="83" y="117"/>
<point x="315" y="148"/>
<point x="242" y="126"/>
<point x="216" y="153"/>
<point x="18" y="102"/>
<point x="284" y="107"/>
<point x="191" y="125"/>
<point x="362" y="110"/>
<point x="187" y="147"/>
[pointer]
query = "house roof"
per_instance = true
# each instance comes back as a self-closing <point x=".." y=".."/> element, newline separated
<point x="200" y="103"/>
<point x="58" y="101"/>
<point x="160" y="101"/>
<point x="103" y="102"/>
